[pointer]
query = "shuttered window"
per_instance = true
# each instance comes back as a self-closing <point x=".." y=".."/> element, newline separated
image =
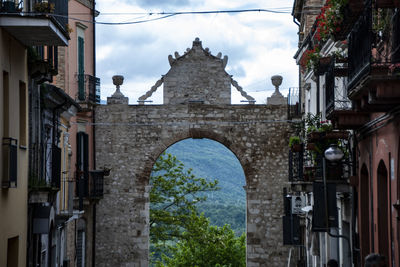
<point x="82" y="162"/>
<point x="81" y="68"/>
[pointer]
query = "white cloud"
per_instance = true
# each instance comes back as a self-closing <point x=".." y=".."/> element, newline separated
<point x="258" y="44"/>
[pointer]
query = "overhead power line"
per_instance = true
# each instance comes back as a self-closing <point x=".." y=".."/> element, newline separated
<point x="163" y="15"/>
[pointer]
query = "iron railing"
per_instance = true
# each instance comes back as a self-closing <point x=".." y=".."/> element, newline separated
<point x="372" y="45"/>
<point x="96" y="183"/>
<point x="90" y="184"/>
<point x="360" y="48"/>
<point x="294" y="109"/>
<point x="296" y="165"/>
<point x="9" y="151"/>
<point x="88" y="88"/>
<point x="335" y="93"/>
<point x="56" y="9"/>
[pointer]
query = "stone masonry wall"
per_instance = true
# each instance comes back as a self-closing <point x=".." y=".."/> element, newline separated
<point x="129" y="139"/>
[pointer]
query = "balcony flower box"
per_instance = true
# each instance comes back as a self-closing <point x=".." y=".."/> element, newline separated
<point x="311" y="146"/>
<point x="356" y="5"/>
<point x="296" y="147"/>
<point x="387" y="3"/>
<point x="336" y="135"/>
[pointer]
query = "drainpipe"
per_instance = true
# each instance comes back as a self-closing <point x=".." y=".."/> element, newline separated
<point x="94" y="136"/>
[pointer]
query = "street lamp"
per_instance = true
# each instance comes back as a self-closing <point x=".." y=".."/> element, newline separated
<point x="333" y="153"/>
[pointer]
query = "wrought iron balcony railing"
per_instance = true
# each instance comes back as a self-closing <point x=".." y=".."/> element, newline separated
<point x="88" y="89"/>
<point x="296" y="165"/>
<point x="90" y="184"/>
<point x="56" y="9"/>
<point x="9" y="153"/>
<point x="335" y="91"/>
<point x="294" y="105"/>
<point x="374" y="46"/>
<point x="96" y="184"/>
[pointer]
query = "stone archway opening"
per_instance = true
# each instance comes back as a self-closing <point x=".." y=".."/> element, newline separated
<point x="211" y="160"/>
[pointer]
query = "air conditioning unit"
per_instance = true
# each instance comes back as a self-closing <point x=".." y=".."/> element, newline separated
<point x="9" y="153"/>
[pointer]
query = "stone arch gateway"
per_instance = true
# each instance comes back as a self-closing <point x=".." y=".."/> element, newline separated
<point x="129" y="138"/>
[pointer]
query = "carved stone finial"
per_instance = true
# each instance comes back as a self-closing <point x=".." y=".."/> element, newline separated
<point x="171" y="60"/>
<point x="219" y="55"/>
<point x="276" y="98"/>
<point x="225" y="61"/>
<point x="176" y="54"/>
<point x="117" y="97"/>
<point x="118" y="80"/>
<point x="276" y="81"/>
<point x="197" y="42"/>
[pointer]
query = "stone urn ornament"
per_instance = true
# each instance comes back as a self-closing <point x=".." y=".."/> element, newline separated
<point x="118" y="80"/>
<point x="276" y="98"/>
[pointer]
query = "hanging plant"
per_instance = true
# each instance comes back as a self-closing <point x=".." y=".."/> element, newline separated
<point x="330" y="20"/>
<point x="310" y="59"/>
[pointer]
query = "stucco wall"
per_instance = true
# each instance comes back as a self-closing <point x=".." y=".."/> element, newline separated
<point x="13" y="201"/>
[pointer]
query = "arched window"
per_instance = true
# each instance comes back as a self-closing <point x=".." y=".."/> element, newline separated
<point x="382" y="215"/>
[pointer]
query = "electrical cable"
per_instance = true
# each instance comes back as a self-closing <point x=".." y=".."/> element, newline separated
<point x="163" y="15"/>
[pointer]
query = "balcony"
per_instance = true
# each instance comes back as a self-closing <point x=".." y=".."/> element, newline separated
<point x="10" y="159"/>
<point x="306" y="164"/>
<point x="43" y="63"/>
<point x="36" y="22"/>
<point x="89" y="185"/>
<point x="374" y="61"/>
<point x="338" y="106"/>
<point x="88" y="90"/>
<point x="46" y="176"/>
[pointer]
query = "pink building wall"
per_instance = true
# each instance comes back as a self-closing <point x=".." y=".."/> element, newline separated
<point x="381" y="145"/>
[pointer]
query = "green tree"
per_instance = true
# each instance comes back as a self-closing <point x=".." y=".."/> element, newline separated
<point x="174" y="195"/>
<point x="204" y="245"/>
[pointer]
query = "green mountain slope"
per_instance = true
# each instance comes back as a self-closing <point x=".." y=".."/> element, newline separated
<point x="212" y="160"/>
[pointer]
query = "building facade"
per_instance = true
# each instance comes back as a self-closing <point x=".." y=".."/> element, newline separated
<point x="348" y="66"/>
<point x="77" y="74"/>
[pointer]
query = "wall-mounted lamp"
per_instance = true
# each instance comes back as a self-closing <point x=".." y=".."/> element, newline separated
<point x="333" y="153"/>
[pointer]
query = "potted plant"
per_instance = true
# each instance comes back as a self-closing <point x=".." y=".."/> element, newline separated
<point x="44" y="7"/>
<point x="295" y="143"/>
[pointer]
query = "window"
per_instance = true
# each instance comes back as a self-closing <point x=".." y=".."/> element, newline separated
<point x="82" y="163"/>
<point x="12" y="251"/>
<point x="81" y="68"/>
<point x="6" y="100"/>
<point x="22" y="115"/>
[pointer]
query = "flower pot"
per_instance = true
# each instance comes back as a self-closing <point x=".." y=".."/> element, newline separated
<point x="337" y="135"/>
<point x="356" y="5"/>
<point x="313" y="136"/>
<point x="387" y="3"/>
<point x="296" y="147"/>
<point x="311" y="146"/>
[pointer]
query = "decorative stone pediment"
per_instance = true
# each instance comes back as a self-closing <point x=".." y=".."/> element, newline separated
<point x="197" y="76"/>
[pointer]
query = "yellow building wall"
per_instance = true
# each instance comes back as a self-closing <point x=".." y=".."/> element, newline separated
<point x="13" y="201"/>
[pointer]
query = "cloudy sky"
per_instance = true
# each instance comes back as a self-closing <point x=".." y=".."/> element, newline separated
<point x="258" y="44"/>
